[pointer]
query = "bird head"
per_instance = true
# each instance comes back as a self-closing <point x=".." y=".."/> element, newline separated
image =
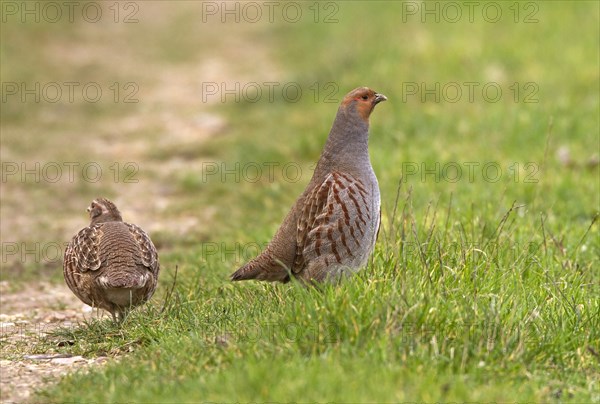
<point x="102" y="210"/>
<point x="363" y="101"/>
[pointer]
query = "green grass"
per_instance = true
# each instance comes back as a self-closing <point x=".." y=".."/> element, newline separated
<point x="477" y="291"/>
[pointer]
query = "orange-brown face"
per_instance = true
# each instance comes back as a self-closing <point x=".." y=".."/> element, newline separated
<point x="365" y="100"/>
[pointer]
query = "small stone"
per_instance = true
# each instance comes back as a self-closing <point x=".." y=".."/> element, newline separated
<point x="67" y="361"/>
<point x="46" y="356"/>
<point x="59" y="316"/>
<point x="54" y="317"/>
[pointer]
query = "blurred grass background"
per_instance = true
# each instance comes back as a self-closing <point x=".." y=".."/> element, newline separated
<point x="500" y="309"/>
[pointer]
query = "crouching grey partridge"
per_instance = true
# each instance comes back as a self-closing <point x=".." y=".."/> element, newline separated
<point x="111" y="264"/>
<point x="331" y="230"/>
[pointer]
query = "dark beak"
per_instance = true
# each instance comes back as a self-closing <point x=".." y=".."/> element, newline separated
<point x="379" y="98"/>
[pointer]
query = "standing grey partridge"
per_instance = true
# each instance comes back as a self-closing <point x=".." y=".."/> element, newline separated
<point x="330" y="231"/>
<point x="111" y="264"/>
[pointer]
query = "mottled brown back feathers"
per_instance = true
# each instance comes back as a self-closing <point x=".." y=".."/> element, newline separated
<point x="111" y="264"/>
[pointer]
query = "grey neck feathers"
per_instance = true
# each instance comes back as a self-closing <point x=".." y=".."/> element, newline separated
<point x="107" y="217"/>
<point x="347" y="147"/>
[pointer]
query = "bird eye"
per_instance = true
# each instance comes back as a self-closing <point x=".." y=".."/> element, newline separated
<point x="365" y="97"/>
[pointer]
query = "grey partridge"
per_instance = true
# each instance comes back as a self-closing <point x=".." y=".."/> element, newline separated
<point x="331" y="230"/>
<point x="111" y="264"/>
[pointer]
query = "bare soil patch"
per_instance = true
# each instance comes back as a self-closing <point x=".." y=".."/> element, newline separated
<point x="27" y="317"/>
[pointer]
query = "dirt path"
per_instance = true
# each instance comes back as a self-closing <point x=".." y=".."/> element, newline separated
<point x="28" y="316"/>
<point x="170" y="117"/>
